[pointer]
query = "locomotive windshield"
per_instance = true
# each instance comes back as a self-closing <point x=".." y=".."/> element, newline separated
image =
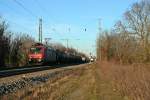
<point x="35" y="50"/>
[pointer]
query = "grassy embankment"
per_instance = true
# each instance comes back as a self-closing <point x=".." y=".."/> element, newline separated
<point x="131" y="81"/>
<point x="86" y="83"/>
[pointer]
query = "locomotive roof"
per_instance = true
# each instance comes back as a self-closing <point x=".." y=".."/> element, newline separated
<point x="38" y="44"/>
<point x="42" y="45"/>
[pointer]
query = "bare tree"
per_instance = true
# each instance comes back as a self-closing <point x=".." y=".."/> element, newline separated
<point x="4" y="42"/>
<point x="137" y="22"/>
<point x="130" y="34"/>
<point x="20" y="47"/>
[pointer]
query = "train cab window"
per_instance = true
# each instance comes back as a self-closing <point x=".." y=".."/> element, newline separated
<point x="35" y="50"/>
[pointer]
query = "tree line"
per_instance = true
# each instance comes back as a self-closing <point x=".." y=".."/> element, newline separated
<point x="129" y="40"/>
<point x="13" y="49"/>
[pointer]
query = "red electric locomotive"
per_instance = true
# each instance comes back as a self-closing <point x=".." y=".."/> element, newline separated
<point x="36" y="53"/>
<point x="40" y="53"/>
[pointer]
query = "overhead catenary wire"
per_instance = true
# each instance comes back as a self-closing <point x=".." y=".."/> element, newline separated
<point x="30" y="12"/>
<point x="14" y="23"/>
<point x="46" y="12"/>
<point x="26" y="9"/>
<point x="42" y="8"/>
<point x="18" y="2"/>
<point x="39" y="6"/>
<point x="18" y="25"/>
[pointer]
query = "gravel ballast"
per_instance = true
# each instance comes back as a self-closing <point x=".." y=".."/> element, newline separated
<point x="32" y="80"/>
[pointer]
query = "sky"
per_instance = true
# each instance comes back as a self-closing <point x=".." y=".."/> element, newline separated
<point x="64" y="19"/>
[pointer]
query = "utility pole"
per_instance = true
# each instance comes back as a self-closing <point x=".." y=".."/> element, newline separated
<point x="66" y="42"/>
<point x="40" y="30"/>
<point x="47" y="40"/>
<point x="76" y="40"/>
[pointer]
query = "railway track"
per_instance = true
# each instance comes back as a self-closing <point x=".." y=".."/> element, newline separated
<point x="24" y="70"/>
<point x="10" y="72"/>
<point x="40" y="75"/>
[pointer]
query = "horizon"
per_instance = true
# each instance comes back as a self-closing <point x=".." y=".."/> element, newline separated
<point x="77" y="20"/>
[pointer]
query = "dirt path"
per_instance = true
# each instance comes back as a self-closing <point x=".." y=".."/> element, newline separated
<point x="83" y="84"/>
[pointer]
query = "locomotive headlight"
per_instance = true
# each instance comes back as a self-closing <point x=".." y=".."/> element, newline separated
<point x="39" y="59"/>
<point x="40" y="56"/>
<point x="29" y="59"/>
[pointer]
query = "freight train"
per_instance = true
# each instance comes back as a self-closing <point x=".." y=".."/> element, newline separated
<point x="40" y="53"/>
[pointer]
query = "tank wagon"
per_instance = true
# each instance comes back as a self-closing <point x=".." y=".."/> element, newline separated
<point x="40" y="53"/>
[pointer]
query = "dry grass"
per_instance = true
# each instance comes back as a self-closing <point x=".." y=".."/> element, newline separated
<point x="132" y="81"/>
<point x="54" y="89"/>
<point x="85" y="83"/>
